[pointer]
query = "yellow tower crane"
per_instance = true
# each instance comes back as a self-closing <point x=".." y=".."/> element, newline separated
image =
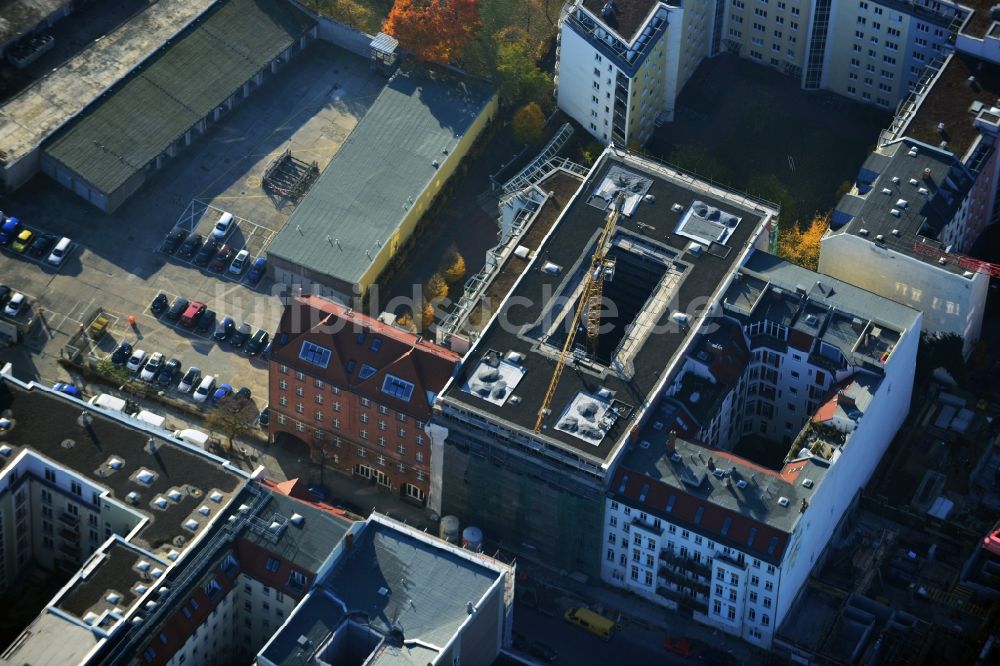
<point x="601" y="266"/>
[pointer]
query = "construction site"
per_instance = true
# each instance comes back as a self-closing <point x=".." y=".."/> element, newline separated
<point x="909" y="579"/>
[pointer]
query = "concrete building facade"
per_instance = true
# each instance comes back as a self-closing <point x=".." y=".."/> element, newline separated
<point x="359" y="393"/>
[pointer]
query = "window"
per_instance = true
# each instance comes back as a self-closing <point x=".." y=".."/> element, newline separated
<point x="734" y="579"/>
<point x="396" y="387"/>
<point x="283" y="385"/>
<point x="614" y="521"/>
<point x="731" y="613"/>
<point x="272" y="564"/>
<point x="717" y="607"/>
<point x="420" y="456"/>
<point x="768" y="585"/>
<point x="401" y="449"/>
<point x="76" y="488"/>
<point x="765" y="620"/>
<point x="755" y="580"/>
<point x="301" y="392"/>
<point x="50" y="475"/>
<point x="767" y="602"/>
<point x="297" y="580"/>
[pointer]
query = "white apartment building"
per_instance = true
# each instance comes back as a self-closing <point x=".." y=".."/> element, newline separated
<point x="623" y="63"/>
<point x="777" y="418"/>
<point x="899" y="231"/>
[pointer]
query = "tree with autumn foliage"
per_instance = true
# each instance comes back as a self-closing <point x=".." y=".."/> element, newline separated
<point x="435" y="30"/>
<point x="528" y="124"/>
<point x="801" y="246"/>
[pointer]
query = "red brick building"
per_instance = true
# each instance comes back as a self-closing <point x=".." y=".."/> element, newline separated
<point x="358" y="392"/>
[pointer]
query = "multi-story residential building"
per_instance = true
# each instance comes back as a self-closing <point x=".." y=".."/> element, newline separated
<point x="359" y="392"/>
<point x="896" y="233"/>
<point x="622" y="64"/>
<point x="676" y="247"/>
<point x="102" y="510"/>
<point x="813" y="376"/>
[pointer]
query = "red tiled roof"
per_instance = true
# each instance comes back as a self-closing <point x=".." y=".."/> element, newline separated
<point x="712" y="519"/>
<point x="297" y="489"/>
<point x="349" y="335"/>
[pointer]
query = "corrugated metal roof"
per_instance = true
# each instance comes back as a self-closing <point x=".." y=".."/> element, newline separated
<point x="364" y="193"/>
<point x="181" y="85"/>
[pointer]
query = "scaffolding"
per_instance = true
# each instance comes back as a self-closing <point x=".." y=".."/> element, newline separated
<point x="289" y="177"/>
<point x="530" y="173"/>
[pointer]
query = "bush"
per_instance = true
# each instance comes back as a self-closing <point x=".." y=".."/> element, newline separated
<point x="436" y="288"/>
<point x="528" y="124"/>
<point x="592" y="151"/>
<point x="454" y="266"/>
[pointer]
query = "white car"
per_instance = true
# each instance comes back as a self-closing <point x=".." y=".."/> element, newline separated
<point x="188" y="381"/>
<point x="204" y="390"/>
<point x="240" y="262"/>
<point x="222" y="226"/>
<point x="14" y="305"/>
<point x="152" y="367"/>
<point x="136" y="360"/>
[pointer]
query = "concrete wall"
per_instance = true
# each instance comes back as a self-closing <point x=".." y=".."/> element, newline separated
<point x="345" y="37"/>
<point x="950" y="302"/>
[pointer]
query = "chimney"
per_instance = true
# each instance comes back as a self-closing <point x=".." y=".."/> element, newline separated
<point x="805" y="505"/>
<point x="927" y="174"/>
<point x="711" y="464"/>
<point x="672" y="441"/>
<point x="349" y="541"/>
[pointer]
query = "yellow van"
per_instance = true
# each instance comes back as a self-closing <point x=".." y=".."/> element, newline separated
<point x="593" y="622"/>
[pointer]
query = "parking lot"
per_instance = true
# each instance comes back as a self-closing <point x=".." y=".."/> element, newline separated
<point x="115" y="264"/>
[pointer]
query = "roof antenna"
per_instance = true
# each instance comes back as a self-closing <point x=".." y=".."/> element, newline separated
<point x="298" y="228"/>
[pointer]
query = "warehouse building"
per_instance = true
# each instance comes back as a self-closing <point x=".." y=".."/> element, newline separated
<point x="369" y="199"/>
<point x="176" y="96"/>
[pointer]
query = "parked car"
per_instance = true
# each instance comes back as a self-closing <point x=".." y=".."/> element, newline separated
<point x="159" y="304"/>
<point x="223" y="225"/>
<point x="319" y="492"/>
<point x="240" y="335"/>
<point x="224" y="329"/>
<point x="153" y="366"/>
<point x="9" y="229"/>
<point x="136" y="360"/>
<point x="190" y="379"/>
<point x="257" y="270"/>
<point x="679" y="646"/>
<point x="14" y="304"/>
<point x="265" y="417"/>
<point x="42" y="245"/>
<point x="192" y="313"/>
<point x="5" y="292"/>
<point x="254" y="344"/>
<point x="243" y="394"/>
<point x="177" y="308"/>
<point x="173" y="240"/>
<point x="265" y="353"/>
<point x="206" y="252"/>
<point x="206" y="322"/>
<point x="59" y="252"/>
<point x="23" y="240"/>
<point x="190" y="246"/>
<point x="240" y="262"/>
<point x="221" y="392"/>
<point x="121" y="354"/>
<point x="168" y="375"/>
<point x="204" y="389"/>
<point x="222" y="258"/>
<point x="68" y="389"/>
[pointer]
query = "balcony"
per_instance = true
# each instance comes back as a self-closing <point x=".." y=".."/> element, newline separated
<point x="69" y="550"/>
<point x="69" y="520"/>
<point x="696" y="568"/>
<point x="72" y="536"/>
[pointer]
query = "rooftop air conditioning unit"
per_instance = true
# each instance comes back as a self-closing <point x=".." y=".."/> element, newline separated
<point x="783" y="501"/>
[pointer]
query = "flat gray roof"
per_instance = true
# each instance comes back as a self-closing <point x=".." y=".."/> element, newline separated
<point x="21" y="16"/>
<point x="41" y="109"/>
<point x="387" y="162"/>
<point x="182" y="85"/>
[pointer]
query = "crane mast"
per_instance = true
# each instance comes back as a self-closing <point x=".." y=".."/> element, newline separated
<point x="589" y="306"/>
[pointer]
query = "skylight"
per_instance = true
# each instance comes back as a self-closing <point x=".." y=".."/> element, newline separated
<point x="313" y="353"/>
<point x="366" y="371"/>
<point x="397" y="388"/>
<point x="376" y="344"/>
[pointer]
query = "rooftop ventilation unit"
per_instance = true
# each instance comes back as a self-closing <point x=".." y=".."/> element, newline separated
<point x="741" y="484"/>
<point x="515" y="357"/>
<point x="895" y="232"/>
<point x="895" y="180"/>
<point x="514" y="400"/>
<point x="649" y="198"/>
<point x="924" y="191"/>
<point x="895" y="212"/>
<point x="783" y="501"/>
<point x="296" y="519"/>
<point x="812" y="319"/>
<point x="886" y="190"/>
<point x="551" y="268"/>
<point x="644" y="444"/>
<point x="902" y="203"/>
<point x="913" y="152"/>
<point x="675" y="456"/>
<point x="677" y="208"/>
<point x="807" y="483"/>
<point x="879" y="238"/>
<point x="942" y="261"/>
<point x="862" y="232"/>
<point x="940" y="127"/>
<point x="914" y="182"/>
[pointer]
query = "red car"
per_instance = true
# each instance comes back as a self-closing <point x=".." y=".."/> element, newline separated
<point x="194" y="311"/>
<point x="678" y="646"/>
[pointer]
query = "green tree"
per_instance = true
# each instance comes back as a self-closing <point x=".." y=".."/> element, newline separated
<point x="592" y="151"/>
<point x="801" y="246"/>
<point x="233" y="417"/>
<point x="941" y="350"/>
<point x="114" y="373"/>
<point x="528" y="124"/>
<point x="519" y="78"/>
<point x="453" y="268"/>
